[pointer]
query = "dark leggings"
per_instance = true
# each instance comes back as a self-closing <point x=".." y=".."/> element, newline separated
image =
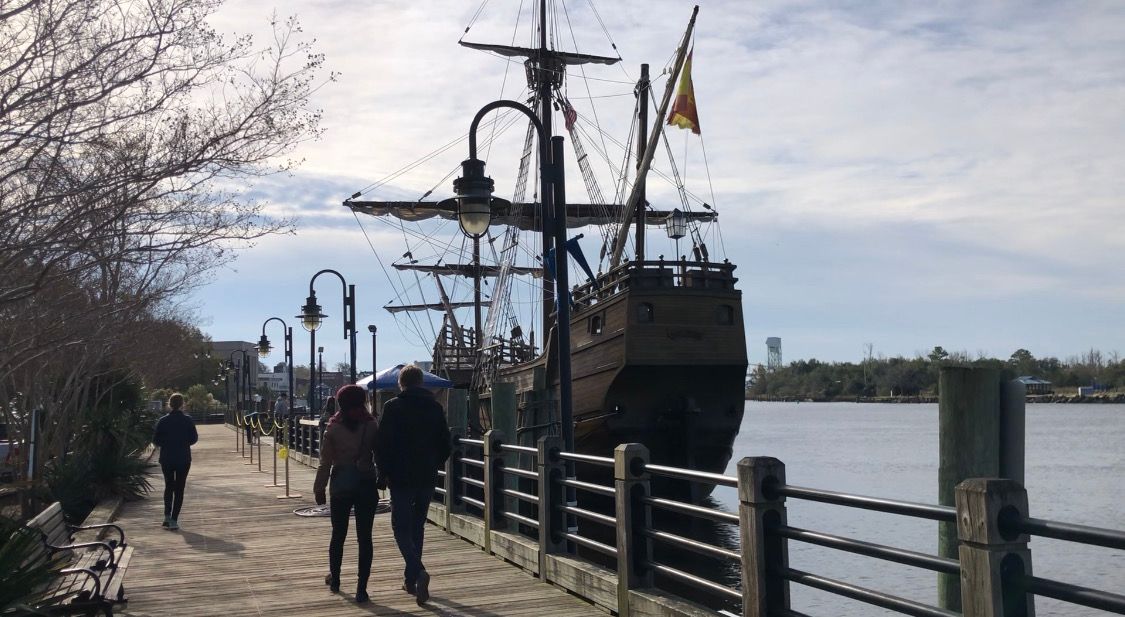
<point x="175" y="478"/>
<point x="341" y="507"/>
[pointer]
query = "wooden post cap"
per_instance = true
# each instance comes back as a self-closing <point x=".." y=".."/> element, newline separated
<point x="982" y="503"/>
<point x="629" y="460"/>
<point x="754" y="472"/>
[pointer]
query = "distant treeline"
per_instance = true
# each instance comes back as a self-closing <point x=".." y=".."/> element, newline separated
<point x="878" y="376"/>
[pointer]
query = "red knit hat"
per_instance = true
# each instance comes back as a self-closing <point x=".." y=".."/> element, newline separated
<point x="351" y="397"/>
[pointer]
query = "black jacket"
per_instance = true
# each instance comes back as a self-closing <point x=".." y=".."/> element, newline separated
<point x="175" y="434"/>
<point x="413" y="439"/>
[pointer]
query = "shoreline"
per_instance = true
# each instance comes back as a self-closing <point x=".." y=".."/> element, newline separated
<point x="925" y="398"/>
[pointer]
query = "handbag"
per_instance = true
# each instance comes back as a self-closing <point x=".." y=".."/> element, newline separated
<point x="348" y="480"/>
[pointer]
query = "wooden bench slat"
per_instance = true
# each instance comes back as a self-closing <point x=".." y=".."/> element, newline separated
<point x="67" y="588"/>
<point x="113" y="582"/>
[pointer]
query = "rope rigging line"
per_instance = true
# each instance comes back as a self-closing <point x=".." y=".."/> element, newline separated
<point x="399" y="293"/>
<point x="473" y="20"/>
<point x="711" y="186"/>
<point x="426" y="158"/>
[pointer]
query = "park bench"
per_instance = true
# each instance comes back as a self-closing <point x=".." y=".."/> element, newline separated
<point x="91" y="580"/>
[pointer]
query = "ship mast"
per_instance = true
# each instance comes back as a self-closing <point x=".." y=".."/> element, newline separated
<point x="636" y="196"/>
<point x="642" y="140"/>
<point x="542" y="74"/>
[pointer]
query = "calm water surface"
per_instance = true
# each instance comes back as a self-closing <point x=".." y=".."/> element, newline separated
<point x="1075" y="473"/>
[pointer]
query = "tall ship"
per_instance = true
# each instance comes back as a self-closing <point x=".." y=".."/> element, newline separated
<point x="657" y="342"/>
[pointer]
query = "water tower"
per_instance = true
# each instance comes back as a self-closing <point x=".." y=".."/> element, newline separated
<point x="773" y="357"/>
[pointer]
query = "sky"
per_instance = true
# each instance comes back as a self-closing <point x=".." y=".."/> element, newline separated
<point x="899" y="175"/>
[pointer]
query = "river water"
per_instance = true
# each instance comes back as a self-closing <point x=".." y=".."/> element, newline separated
<point x="1075" y="472"/>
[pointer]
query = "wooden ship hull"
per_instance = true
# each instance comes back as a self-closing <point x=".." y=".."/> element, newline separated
<point x="658" y="354"/>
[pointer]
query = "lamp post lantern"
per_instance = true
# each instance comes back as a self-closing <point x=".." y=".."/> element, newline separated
<point x="312" y="317"/>
<point x="676" y="227"/>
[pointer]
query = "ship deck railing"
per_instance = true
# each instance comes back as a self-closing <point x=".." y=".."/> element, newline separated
<point x="658" y="274"/>
<point x="594" y="526"/>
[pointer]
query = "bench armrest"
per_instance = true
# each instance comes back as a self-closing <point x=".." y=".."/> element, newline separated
<point x="91" y="574"/>
<point x="102" y="545"/>
<point x="120" y="531"/>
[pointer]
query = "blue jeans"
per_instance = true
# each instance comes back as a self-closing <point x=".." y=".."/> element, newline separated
<point x="408" y="521"/>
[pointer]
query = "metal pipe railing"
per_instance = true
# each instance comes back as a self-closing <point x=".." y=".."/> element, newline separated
<point x="694" y="581"/>
<point x="505" y="447"/>
<point x="703" y="477"/>
<point x="598" y="489"/>
<point x="521" y="473"/>
<point x="523" y="520"/>
<point x="869" y="596"/>
<point x="1082" y="534"/>
<point x="1075" y="594"/>
<point x="524" y="497"/>
<point x="870" y="549"/>
<point x="600" y="461"/>
<point x="691" y="510"/>
<point x="590" y="516"/>
<point x="695" y="546"/>
<point x="889" y="506"/>
<point x="604" y="549"/>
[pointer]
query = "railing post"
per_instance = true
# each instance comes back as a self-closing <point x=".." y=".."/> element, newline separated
<point x="552" y="495"/>
<point x="634" y="549"/>
<point x="493" y="485"/>
<point x="764" y="553"/>
<point x="453" y="470"/>
<point x="993" y="558"/>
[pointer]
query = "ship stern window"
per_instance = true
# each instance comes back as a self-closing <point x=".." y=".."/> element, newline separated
<point x="596" y="325"/>
<point x="645" y="314"/>
<point x="724" y="315"/>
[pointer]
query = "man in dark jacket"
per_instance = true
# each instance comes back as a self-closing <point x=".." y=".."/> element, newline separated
<point x="175" y="434"/>
<point x="412" y="443"/>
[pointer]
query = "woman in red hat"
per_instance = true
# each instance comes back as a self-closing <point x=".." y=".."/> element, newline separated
<point x="347" y="470"/>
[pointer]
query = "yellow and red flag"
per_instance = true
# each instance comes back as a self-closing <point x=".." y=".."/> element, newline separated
<point x="684" y="113"/>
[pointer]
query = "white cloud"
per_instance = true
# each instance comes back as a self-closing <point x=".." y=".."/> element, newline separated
<point x="967" y="151"/>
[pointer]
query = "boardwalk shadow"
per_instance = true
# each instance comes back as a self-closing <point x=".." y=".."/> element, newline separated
<point x="208" y="544"/>
<point x="438" y="606"/>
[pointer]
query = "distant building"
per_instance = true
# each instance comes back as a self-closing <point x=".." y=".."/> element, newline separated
<point x="1035" y="385"/>
<point x="277" y="382"/>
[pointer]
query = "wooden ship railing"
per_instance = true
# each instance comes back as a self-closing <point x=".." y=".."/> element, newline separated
<point x="658" y="274"/>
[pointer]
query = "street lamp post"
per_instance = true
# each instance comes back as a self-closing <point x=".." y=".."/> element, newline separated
<point x="242" y="389"/>
<point x="263" y="351"/>
<point x="319" y="373"/>
<point x="474" y="204"/>
<point x="311" y="319"/>
<point x="374" y="366"/>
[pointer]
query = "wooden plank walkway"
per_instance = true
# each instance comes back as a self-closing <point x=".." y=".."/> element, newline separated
<point x="242" y="551"/>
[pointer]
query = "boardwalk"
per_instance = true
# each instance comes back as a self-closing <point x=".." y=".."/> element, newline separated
<point x="242" y="551"/>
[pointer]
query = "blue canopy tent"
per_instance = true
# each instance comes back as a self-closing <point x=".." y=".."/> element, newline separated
<point x="387" y="379"/>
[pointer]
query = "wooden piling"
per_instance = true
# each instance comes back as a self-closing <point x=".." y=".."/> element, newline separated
<point x="969" y="447"/>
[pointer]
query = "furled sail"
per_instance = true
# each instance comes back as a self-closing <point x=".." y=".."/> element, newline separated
<point x="467" y="269"/>
<point x="521" y="215"/>
<point x="434" y="306"/>
<point x="530" y="52"/>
